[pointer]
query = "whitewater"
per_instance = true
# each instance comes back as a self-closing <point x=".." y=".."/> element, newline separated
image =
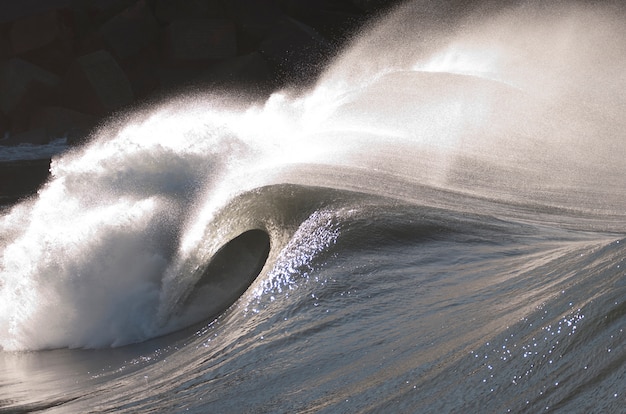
<point x="438" y="224"/>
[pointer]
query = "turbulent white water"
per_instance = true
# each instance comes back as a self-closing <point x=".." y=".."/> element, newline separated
<point x="522" y="104"/>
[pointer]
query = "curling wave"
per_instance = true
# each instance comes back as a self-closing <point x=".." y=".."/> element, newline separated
<point x="460" y="116"/>
<point x="438" y="225"/>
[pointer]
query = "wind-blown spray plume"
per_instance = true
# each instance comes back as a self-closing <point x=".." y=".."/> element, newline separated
<point x="522" y="104"/>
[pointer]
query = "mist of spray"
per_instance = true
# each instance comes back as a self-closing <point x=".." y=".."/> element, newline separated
<point x="517" y="102"/>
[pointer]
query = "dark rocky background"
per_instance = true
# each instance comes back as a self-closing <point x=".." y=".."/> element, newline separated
<point x="66" y="65"/>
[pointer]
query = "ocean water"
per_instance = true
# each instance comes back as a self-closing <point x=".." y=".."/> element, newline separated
<point x="437" y="225"/>
<point x="32" y="152"/>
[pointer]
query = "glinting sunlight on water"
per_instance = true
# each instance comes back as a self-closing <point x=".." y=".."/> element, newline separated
<point x="437" y="225"/>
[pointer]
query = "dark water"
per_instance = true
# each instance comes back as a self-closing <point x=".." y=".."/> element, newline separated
<point x="446" y="221"/>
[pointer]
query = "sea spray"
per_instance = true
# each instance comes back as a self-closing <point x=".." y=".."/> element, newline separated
<point x="82" y="261"/>
<point x="514" y="104"/>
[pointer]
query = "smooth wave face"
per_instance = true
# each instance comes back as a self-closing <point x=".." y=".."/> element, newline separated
<point x="438" y="225"/>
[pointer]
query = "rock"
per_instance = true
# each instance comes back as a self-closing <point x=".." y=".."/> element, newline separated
<point x="5" y="125"/>
<point x="142" y="72"/>
<point x="254" y="18"/>
<point x="294" y="51"/>
<point x="96" y="84"/>
<point x="33" y="32"/>
<point x="167" y="11"/>
<point x="6" y="51"/>
<point x="248" y="71"/>
<point x="44" y="40"/>
<point x="375" y="6"/>
<point x="62" y="122"/>
<point x="55" y="57"/>
<point x="101" y="11"/>
<point x="83" y="24"/>
<point x="200" y="39"/>
<point x="24" y="86"/>
<point x="19" y="179"/>
<point x="333" y="19"/>
<point x="173" y="77"/>
<point x="14" y="9"/>
<point x="131" y="31"/>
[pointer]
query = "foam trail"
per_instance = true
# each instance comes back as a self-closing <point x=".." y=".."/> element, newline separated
<point x="514" y="103"/>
